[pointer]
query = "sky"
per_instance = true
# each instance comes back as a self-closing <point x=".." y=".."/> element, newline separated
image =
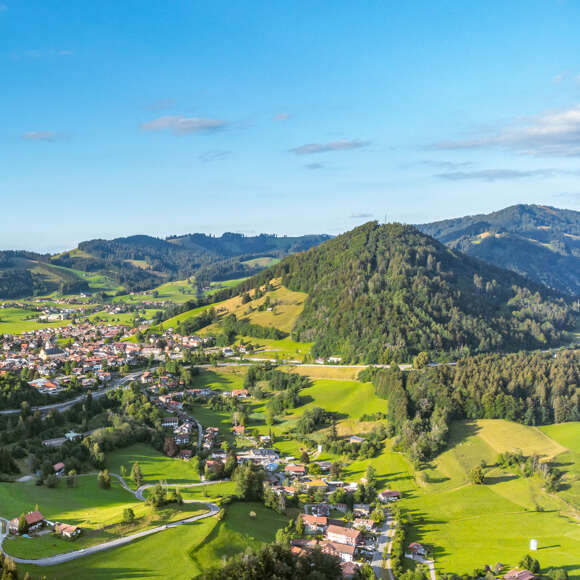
<point x="173" y="116"/>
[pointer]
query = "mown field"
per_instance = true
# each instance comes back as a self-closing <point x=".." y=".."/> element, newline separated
<point x="469" y="526"/>
<point x="154" y="465"/>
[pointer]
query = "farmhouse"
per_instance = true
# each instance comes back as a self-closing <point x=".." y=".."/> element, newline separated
<point x="67" y="531"/>
<point x="295" y="469"/>
<point x="34" y="521"/>
<point x="58" y="469"/>
<point x="314" y="524"/>
<point x="342" y="535"/>
<point x="517" y="574"/>
<point x="416" y="550"/>
<point x="389" y="495"/>
<point x="343" y="551"/>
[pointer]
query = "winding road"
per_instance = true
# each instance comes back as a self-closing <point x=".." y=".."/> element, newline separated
<point x="213" y="510"/>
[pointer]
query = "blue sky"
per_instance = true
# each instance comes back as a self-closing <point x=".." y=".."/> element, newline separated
<point x="169" y="116"/>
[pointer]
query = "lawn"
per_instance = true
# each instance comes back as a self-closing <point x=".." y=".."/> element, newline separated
<point x="284" y="349"/>
<point x="472" y="526"/>
<point x="180" y="553"/>
<point x="14" y="321"/>
<point x="146" y="517"/>
<point x="238" y="531"/>
<point x="162" y="555"/>
<point x="85" y="505"/>
<point x="568" y="435"/>
<point x="154" y="465"/>
<point x="221" y="378"/>
<point x="326" y="372"/>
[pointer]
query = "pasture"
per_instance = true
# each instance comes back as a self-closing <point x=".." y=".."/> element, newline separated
<point x="154" y="465"/>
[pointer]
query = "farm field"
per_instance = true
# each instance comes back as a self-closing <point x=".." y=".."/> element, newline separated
<point x="282" y="349"/>
<point x="154" y="465"/>
<point x="146" y="518"/>
<point x="472" y="526"/>
<point x="86" y="505"/>
<point x="326" y="372"/>
<point x="238" y="531"/>
<point x="568" y="435"/>
<point x="183" y="552"/>
<point x="13" y="321"/>
<point x="495" y="520"/>
<point x="221" y="378"/>
<point x="151" y="558"/>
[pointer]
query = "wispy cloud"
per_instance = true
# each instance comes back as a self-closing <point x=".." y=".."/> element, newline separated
<point x="314" y="166"/>
<point x="214" y="155"/>
<point x="184" y="125"/>
<point x="504" y="174"/>
<point x="436" y="164"/>
<point x="342" y="145"/>
<point x="554" y="133"/>
<point x="560" y="77"/>
<point x="360" y="216"/>
<point x="40" y="135"/>
<point x="571" y="197"/>
<point x="282" y="117"/>
<point x="3" y="7"/>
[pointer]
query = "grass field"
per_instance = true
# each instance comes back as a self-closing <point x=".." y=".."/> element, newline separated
<point x="221" y="378"/>
<point x="284" y="349"/>
<point x="568" y="435"/>
<point x="496" y="520"/>
<point x="180" y="553"/>
<point x="85" y="505"/>
<point x="238" y="531"/>
<point x="472" y="526"/>
<point x="154" y="465"/>
<point x="13" y="321"/>
<point x="326" y="372"/>
<point x="162" y="555"/>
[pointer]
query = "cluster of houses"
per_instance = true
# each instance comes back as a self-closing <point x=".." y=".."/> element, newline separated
<point x="337" y="539"/>
<point x="36" y="522"/>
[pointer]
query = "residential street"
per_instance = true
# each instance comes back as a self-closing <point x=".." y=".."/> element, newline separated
<point x="385" y="538"/>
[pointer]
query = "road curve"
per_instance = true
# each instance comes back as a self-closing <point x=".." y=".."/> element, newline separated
<point x="213" y="510"/>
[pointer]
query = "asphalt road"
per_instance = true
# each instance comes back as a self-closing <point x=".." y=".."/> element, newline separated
<point x="213" y="510"/>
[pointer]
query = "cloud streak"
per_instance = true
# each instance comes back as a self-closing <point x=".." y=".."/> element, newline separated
<point x="504" y="174"/>
<point x="282" y="117"/>
<point x="184" y="125"/>
<point x="40" y="136"/>
<point x="359" y="216"/>
<point x="341" y="145"/>
<point x="554" y="133"/>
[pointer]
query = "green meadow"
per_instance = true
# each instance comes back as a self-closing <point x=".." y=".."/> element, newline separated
<point x="154" y="465"/>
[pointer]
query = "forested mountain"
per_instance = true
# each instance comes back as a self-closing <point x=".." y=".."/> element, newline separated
<point x="383" y="293"/>
<point x="539" y="242"/>
<point x="143" y="262"/>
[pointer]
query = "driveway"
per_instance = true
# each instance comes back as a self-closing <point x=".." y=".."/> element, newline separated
<point x="386" y="533"/>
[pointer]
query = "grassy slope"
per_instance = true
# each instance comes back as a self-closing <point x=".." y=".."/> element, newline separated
<point x="568" y="435"/>
<point x="154" y="465"/>
<point x="497" y="520"/>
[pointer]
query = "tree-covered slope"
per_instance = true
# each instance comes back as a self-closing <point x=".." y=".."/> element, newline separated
<point x="539" y="242"/>
<point x="142" y="262"/>
<point x="383" y="293"/>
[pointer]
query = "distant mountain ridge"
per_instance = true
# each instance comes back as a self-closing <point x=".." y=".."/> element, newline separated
<point x="142" y="262"/>
<point x="539" y="242"/>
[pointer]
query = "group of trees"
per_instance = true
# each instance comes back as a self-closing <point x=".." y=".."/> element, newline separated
<point x="530" y="388"/>
<point x="369" y="448"/>
<point x="276" y="561"/>
<point x="161" y="496"/>
<point x="532" y="465"/>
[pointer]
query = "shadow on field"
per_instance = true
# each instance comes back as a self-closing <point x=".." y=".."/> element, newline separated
<point x="420" y="524"/>
<point x="500" y="478"/>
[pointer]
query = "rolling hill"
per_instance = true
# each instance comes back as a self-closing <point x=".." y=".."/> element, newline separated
<point x="383" y="293"/>
<point x="144" y="262"/>
<point x="539" y="242"/>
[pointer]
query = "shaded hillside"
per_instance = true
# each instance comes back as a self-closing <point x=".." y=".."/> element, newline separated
<point x="383" y="293"/>
<point x="144" y="262"/>
<point x="539" y="242"/>
<point x="28" y="274"/>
